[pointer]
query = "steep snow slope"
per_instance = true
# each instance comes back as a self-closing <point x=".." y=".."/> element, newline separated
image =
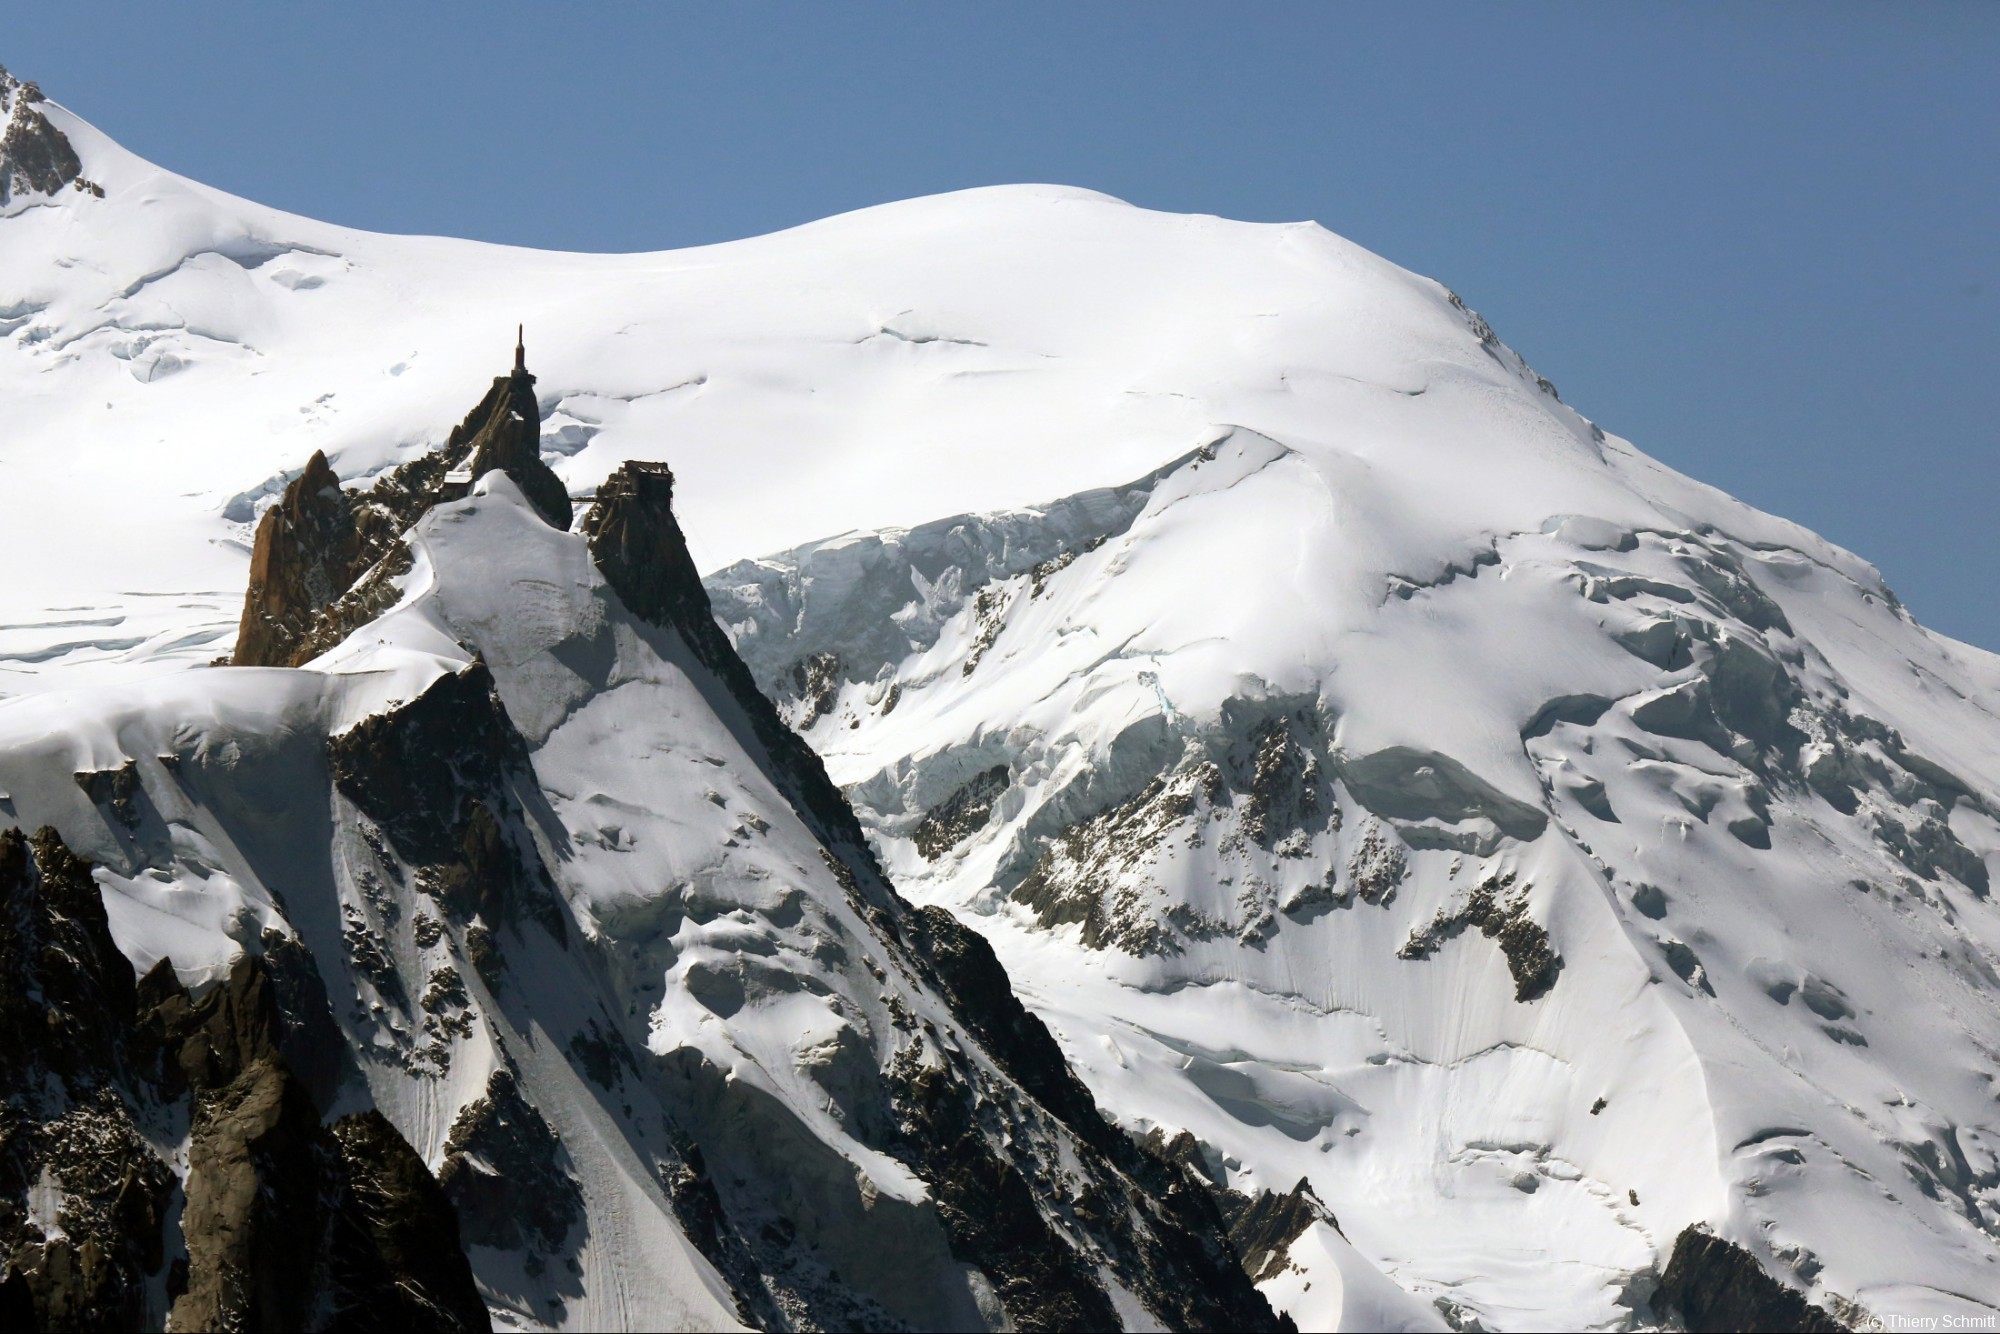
<point x="609" y="954"/>
<point x="1534" y="853"/>
<point x="1282" y="776"/>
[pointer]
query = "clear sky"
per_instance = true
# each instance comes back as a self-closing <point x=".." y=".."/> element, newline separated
<point x="1762" y="241"/>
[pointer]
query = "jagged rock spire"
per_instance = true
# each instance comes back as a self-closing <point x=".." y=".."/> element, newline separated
<point x="504" y="432"/>
<point x="316" y="543"/>
<point x="308" y="551"/>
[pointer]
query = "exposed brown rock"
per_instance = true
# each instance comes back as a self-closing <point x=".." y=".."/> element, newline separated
<point x="325" y="559"/>
<point x="251" y="1219"/>
<point x="308" y="552"/>
<point x="288" y="1223"/>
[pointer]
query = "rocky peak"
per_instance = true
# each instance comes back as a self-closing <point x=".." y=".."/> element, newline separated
<point x="324" y="557"/>
<point x="308" y="552"/>
<point x="35" y="157"/>
<point x="640" y="549"/>
<point x="504" y="432"/>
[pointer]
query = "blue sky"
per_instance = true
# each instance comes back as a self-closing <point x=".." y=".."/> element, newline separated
<point x="1763" y="241"/>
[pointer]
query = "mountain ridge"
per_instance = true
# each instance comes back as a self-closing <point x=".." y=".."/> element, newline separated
<point x="825" y="1065"/>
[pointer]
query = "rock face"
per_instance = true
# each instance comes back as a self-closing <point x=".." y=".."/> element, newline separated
<point x="394" y="1256"/>
<point x="283" y="1222"/>
<point x="981" y="1196"/>
<point x="1714" y="1285"/>
<point x="308" y="552"/>
<point x="289" y="1223"/>
<point x="504" y="432"/>
<point x="1265" y="1227"/>
<point x="35" y="157"/>
<point x="83" y="1195"/>
<point x="324" y="558"/>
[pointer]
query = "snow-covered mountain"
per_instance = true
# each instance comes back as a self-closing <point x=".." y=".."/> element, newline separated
<point x="1381" y="780"/>
<point x="535" y="878"/>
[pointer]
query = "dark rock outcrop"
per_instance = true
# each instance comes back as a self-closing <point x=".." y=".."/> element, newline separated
<point x="1501" y="915"/>
<point x="960" y="815"/>
<point x="988" y="1206"/>
<point x="1179" y="1229"/>
<point x="288" y="1223"/>
<point x="503" y="1171"/>
<point x="1288" y="795"/>
<point x="309" y="550"/>
<point x="817" y="680"/>
<point x="1084" y="874"/>
<point x="1264" y="1226"/>
<point x="285" y="1222"/>
<point x="83" y="1197"/>
<point x="699" y="1209"/>
<point x="1712" y="1284"/>
<point x="393" y="1256"/>
<point x="115" y="791"/>
<point x="35" y="157"/>
<point x="441" y="777"/>
<point x="324" y="559"/>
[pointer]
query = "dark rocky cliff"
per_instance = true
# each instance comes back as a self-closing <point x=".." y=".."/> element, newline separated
<point x="283" y="1221"/>
<point x="308" y="552"/>
<point x="35" y="157"/>
<point x="1715" y="1285"/>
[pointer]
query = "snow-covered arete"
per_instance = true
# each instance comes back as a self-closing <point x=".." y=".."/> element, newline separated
<point x="611" y="962"/>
